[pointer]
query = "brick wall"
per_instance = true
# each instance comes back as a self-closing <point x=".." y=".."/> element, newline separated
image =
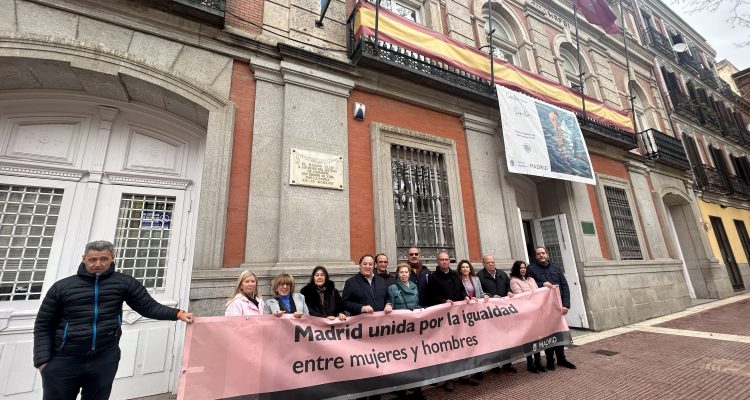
<point x="408" y="116"/>
<point x="246" y="15"/>
<point x="242" y="95"/>
<point x="605" y="166"/>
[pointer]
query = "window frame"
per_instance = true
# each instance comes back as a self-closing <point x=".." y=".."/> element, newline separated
<point x="609" y="230"/>
<point x="382" y="137"/>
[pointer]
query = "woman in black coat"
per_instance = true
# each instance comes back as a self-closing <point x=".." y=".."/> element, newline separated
<point x="322" y="297"/>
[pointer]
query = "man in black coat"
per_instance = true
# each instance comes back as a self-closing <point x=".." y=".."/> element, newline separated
<point x="444" y="285"/>
<point x="381" y="267"/>
<point x="77" y="330"/>
<point x="496" y="283"/>
<point x="419" y="274"/>
<point x="365" y="292"/>
<point x="547" y="273"/>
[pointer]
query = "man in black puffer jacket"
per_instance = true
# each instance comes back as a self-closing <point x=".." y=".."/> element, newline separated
<point x="77" y="330"/>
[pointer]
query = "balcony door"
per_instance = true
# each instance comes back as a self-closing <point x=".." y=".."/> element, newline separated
<point x="727" y="255"/>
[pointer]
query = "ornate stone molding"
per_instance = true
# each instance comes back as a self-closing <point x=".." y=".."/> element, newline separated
<point x="39" y="172"/>
<point x="135" y="180"/>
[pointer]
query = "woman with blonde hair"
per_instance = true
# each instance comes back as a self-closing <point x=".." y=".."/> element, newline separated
<point x="245" y="299"/>
<point x="285" y="300"/>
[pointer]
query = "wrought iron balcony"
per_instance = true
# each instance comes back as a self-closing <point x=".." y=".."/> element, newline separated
<point x="417" y="68"/>
<point x="664" y="149"/>
<point x="740" y="188"/>
<point x="605" y="133"/>
<point x="709" y="117"/>
<point x="710" y="179"/>
<point x="660" y="42"/>
<point x="709" y="78"/>
<point x="687" y="60"/>
<point x="685" y="106"/>
<point x="208" y="11"/>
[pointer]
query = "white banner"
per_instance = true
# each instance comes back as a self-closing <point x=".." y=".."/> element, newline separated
<point x="542" y="139"/>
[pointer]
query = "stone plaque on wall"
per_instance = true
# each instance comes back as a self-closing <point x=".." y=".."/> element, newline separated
<point x="310" y="168"/>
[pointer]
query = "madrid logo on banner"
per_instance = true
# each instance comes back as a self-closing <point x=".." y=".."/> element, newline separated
<point x="542" y="139"/>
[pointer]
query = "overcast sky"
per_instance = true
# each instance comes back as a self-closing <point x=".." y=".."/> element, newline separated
<point x="713" y="26"/>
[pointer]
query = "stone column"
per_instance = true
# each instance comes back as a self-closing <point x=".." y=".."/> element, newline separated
<point x="297" y="227"/>
<point x="650" y="219"/>
<point x="497" y="218"/>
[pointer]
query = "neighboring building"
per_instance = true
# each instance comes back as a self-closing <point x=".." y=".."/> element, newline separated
<point x="741" y="80"/>
<point x="711" y="120"/>
<point x="173" y="128"/>
<point x="725" y="70"/>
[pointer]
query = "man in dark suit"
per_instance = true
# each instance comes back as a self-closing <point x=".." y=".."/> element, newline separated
<point x="496" y="283"/>
<point x="365" y="292"/>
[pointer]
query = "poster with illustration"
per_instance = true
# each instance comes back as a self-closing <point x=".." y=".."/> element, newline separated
<point x="542" y="139"/>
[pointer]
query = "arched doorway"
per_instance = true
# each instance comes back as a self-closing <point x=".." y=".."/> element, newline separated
<point x="124" y="165"/>
<point x="686" y="242"/>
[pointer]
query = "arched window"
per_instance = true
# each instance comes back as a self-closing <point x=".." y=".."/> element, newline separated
<point x="503" y="41"/>
<point x="570" y="69"/>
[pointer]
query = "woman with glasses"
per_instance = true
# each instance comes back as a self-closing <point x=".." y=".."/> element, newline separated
<point x="285" y="301"/>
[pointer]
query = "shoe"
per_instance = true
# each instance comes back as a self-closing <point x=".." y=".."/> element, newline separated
<point x="478" y="376"/>
<point x="531" y="368"/>
<point x="540" y="368"/>
<point x="566" y="364"/>
<point x="469" y="381"/>
<point x="416" y="395"/>
<point x="551" y="367"/>
<point x="448" y="386"/>
<point x="509" y="368"/>
<point x="496" y="370"/>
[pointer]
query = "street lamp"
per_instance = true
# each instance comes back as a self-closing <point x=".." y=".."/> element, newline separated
<point x="489" y="31"/>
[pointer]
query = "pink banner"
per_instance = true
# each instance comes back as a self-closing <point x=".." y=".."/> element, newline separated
<point x="270" y="357"/>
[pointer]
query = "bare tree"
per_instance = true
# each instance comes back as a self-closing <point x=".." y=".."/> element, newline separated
<point x="739" y="12"/>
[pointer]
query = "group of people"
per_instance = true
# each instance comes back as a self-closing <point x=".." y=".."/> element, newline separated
<point x="412" y="286"/>
<point x="78" y="326"/>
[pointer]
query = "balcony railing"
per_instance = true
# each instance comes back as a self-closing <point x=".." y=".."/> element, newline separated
<point x="710" y="179"/>
<point x="208" y="11"/>
<point x="415" y="67"/>
<point x="708" y="117"/>
<point x="664" y="149"/>
<point x="660" y="42"/>
<point x="709" y="78"/>
<point x="740" y="189"/>
<point x="687" y="61"/>
<point x="685" y="106"/>
<point x="605" y="133"/>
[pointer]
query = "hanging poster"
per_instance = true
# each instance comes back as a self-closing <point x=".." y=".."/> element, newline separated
<point x="542" y="139"/>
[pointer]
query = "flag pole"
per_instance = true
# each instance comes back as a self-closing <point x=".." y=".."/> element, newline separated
<point x="377" y="17"/>
<point x="627" y="66"/>
<point x="580" y="70"/>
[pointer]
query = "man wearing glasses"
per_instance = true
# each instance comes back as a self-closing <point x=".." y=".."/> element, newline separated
<point x="419" y="274"/>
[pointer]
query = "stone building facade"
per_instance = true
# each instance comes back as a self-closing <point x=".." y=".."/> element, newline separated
<point x="172" y="128"/>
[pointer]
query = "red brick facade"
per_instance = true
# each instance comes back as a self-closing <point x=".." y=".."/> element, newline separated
<point x="242" y="95"/>
<point x="408" y="116"/>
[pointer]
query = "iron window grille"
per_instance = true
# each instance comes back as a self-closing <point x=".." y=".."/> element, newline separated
<point x="421" y="202"/>
<point x="142" y="238"/>
<point x="28" y="218"/>
<point x="623" y="225"/>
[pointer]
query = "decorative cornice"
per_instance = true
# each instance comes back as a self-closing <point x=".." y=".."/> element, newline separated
<point x="136" y="180"/>
<point x="40" y="172"/>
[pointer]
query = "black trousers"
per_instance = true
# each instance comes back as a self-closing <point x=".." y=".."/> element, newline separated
<point x="92" y="375"/>
<point x="537" y="360"/>
<point x="558" y="351"/>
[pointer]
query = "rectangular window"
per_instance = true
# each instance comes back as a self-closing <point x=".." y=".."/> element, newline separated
<point x="400" y="9"/>
<point x="421" y="202"/>
<point x="144" y="227"/>
<point x="28" y="218"/>
<point x="623" y="224"/>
